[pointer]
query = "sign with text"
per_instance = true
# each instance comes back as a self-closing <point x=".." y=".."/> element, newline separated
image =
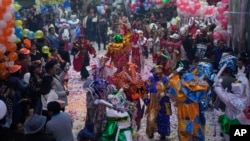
<point x="239" y="132"/>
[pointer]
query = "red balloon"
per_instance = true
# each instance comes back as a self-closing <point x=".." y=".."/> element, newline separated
<point x="219" y="17"/>
<point x="225" y="1"/>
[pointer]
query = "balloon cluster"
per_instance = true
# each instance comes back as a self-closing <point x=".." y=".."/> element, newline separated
<point x="147" y="4"/>
<point x="220" y="32"/>
<point x="8" y="37"/>
<point x="194" y="8"/>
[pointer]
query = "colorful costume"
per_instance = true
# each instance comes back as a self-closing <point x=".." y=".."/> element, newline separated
<point x="133" y="85"/>
<point x="118" y="51"/>
<point x="158" y="104"/>
<point x="235" y="102"/>
<point x="82" y="49"/>
<point x="138" y="45"/>
<point x="118" y="126"/>
<point x="96" y="114"/>
<point x="188" y="92"/>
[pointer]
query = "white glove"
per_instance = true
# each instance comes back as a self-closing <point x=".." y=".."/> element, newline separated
<point x="97" y="101"/>
<point x="217" y="81"/>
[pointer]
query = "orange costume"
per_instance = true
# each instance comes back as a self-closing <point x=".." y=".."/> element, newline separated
<point x="133" y="86"/>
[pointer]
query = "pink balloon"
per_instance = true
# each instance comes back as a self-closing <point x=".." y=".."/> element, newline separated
<point x="197" y="6"/>
<point x="221" y="9"/>
<point x="225" y="1"/>
<point x="216" y="35"/>
<point x="182" y="7"/>
<point x="219" y="17"/>
<point x="224" y="23"/>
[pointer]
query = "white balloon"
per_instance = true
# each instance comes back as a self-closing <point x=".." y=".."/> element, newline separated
<point x="7" y="16"/>
<point x="182" y="30"/>
<point x="3" y="109"/>
<point x="119" y="1"/>
<point x="12" y="38"/>
<point x="2" y="48"/>
<point x="26" y="77"/>
<point x="10" y="9"/>
<point x="9" y="63"/>
<point x="3" y="24"/>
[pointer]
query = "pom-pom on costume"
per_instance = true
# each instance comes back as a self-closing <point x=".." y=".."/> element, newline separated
<point x="158" y="104"/>
<point x="82" y="49"/>
<point x="188" y="91"/>
<point x="96" y="114"/>
<point x="130" y="80"/>
<point x="118" y="51"/>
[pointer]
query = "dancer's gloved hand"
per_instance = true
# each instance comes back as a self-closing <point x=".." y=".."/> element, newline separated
<point x="217" y="81"/>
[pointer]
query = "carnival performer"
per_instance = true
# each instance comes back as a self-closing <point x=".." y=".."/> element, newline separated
<point x="82" y="49"/>
<point x="130" y="80"/>
<point x="205" y="69"/>
<point x="138" y="44"/>
<point x="118" y="126"/>
<point x="235" y="103"/>
<point x="118" y="51"/>
<point x="96" y="114"/>
<point x="158" y="104"/>
<point x="187" y="91"/>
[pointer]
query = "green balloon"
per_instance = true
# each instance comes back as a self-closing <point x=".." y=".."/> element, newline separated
<point x="118" y="38"/>
<point x="165" y="1"/>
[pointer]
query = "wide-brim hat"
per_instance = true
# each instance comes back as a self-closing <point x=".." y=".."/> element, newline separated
<point x="14" y="68"/>
<point x="34" y="124"/>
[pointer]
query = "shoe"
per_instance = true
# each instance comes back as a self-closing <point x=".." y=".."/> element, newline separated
<point x="152" y="136"/>
<point x="163" y="137"/>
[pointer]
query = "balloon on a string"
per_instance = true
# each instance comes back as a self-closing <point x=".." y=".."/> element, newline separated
<point x="45" y="49"/>
<point x="17" y="15"/>
<point x="25" y="32"/>
<point x="12" y="38"/>
<point x="3" y="24"/>
<point x="6" y="2"/>
<point x="13" y="56"/>
<point x="2" y="48"/>
<point x="17" y="6"/>
<point x="18" y="22"/>
<point x="39" y="34"/>
<point x="31" y="35"/>
<point x="7" y="16"/>
<point x="10" y="9"/>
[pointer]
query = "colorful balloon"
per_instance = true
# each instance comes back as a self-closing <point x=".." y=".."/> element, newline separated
<point x="165" y="1"/>
<point x="39" y="34"/>
<point x="13" y="56"/>
<point x="45" y="49"/>
<point x="25" y="32"/>
<point x="18" y="23"/>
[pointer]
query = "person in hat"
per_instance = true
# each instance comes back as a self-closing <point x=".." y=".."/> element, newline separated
<point x="34" y="129"/>
<point x="60" y="125"/>
<point x="158" y="103"/>
<point x="23" y="60"/>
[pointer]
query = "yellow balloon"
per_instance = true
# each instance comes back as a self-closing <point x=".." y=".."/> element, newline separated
<point x="25" y="32"/>
<point x="18" y="23"/>
<point x="18" y="40"/>
<point x="39" y="34"/>
<point x="17" y="6"/>
<point x="49" y="54"/>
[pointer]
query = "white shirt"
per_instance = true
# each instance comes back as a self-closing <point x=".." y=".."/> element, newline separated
<point x="51" y="96"/>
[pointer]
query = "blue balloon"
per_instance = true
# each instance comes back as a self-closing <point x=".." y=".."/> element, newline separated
<point x="31" y="35"/>
<point x="19" y="34"/>
<point x="17" y="15"/>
